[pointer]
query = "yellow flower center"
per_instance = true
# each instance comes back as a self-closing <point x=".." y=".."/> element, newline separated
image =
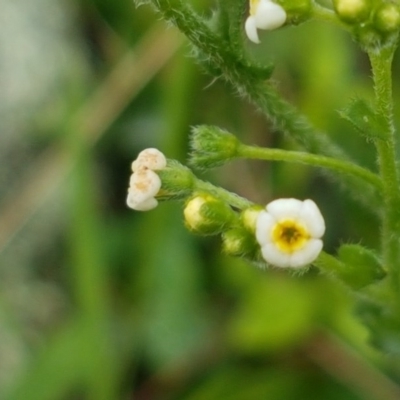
<point x="289" y="235"/>
<point x="253" y="6"/>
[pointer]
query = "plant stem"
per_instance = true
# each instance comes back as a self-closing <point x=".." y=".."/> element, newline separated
<point x="381" y="63"/>
<point x="325" y="14"/>
<point x="315" y="160"/>
<point x="233" y="199"/>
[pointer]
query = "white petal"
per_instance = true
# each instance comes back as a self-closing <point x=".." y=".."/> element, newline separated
<point x="307" y="254"/>
<point x="147" y="205"/>
<point x="131" y="201"/>
<point x="144" y="205"/>
<point x="272" y="255"/>
<point x="264" y="224"/>
<point x="269" y="15"/>
<point x="285" y="208"/>
<point x="152" y="159"/>
<point x="312" y="218"/>
<point x="135" y="165"/>
<point x="144" y="184"/>
<point x="251" y="29"/>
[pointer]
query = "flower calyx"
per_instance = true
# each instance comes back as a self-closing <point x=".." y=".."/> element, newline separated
<point x="212" y="147"/>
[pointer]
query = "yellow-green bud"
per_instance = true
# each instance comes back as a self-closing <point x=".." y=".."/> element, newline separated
<point x="387" y="18"/>
<point x="238" y="242"/>
<point x="352" y="10"/>
<point x="207" y="215"/>
<point x="212" y="147"/>
<point x="249" y="217"/>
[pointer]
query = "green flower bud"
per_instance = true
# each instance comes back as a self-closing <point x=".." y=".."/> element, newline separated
<point x="387" y="18"/>
<point x="177" y="181"/>
<point x="207" y="215"/>
<point x="238" y="242"/>
<point x="249" y="217"/>
<point x="297" y="10"/>
<point x="212" y="147"/>
<point x="352" y="11"/>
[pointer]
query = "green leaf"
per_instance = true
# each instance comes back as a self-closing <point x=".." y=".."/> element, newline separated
<point x="276" y="313"/>
<point x="361" y="115"/>
<point x="355" y="266"/>
<point x="363" y="264"/>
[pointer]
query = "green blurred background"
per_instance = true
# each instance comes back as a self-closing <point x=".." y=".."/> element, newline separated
<point x="101" y="302"/>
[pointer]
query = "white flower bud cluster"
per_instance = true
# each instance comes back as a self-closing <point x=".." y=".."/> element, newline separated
<point x="144" y="182"/>
<point x="264" y="14"/>
<point x="289" y="232"/>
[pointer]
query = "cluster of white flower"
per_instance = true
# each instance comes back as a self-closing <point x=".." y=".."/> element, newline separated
<point x="144" y="183"/>
<point x="264" y="14"/>
<point x="289" y="232"/>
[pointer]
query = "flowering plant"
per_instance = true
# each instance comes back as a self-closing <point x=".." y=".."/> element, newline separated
<point x="287" y="233"/>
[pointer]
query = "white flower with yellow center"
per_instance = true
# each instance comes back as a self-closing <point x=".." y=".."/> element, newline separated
<point x="264" y="14"/>
<point x="289" y="232"/>
<point x="144" y="183"/>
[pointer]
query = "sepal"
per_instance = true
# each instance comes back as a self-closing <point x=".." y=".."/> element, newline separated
<point x="177" y="180"/>
<point x="211" y="147"/>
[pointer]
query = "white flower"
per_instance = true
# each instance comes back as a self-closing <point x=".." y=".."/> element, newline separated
<point x="150" y="158"/>
<point x="143" y="186"/>
<point x="264" y="14"/>
<point x="144" y="183"/>
<point x="289" y="232"/>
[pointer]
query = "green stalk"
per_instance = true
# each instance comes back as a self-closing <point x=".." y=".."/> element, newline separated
<point x="315" y="160"/>
<point x="231" y="198"/>
<point x="381" y="63"/>
<point x="327" y="15"/>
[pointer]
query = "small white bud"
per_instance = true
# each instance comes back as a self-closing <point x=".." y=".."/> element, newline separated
<point x="150" y="158"/>
<point x="144" y="184"/>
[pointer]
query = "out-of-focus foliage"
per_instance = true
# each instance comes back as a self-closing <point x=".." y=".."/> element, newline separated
<point x="99" y="302"/>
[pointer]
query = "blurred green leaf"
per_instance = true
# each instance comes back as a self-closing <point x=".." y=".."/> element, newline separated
<point x="275" y="313"/>
<point x="361" y="115"/>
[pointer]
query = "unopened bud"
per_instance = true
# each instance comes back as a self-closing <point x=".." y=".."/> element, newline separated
<point x="249" y="217"/>
<point x="352" y="10"/>
<point x="238" y="242"/>
<point x="212" y="147"/>
<point x="387" y="18"/>
<point x="207" y="215"/>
